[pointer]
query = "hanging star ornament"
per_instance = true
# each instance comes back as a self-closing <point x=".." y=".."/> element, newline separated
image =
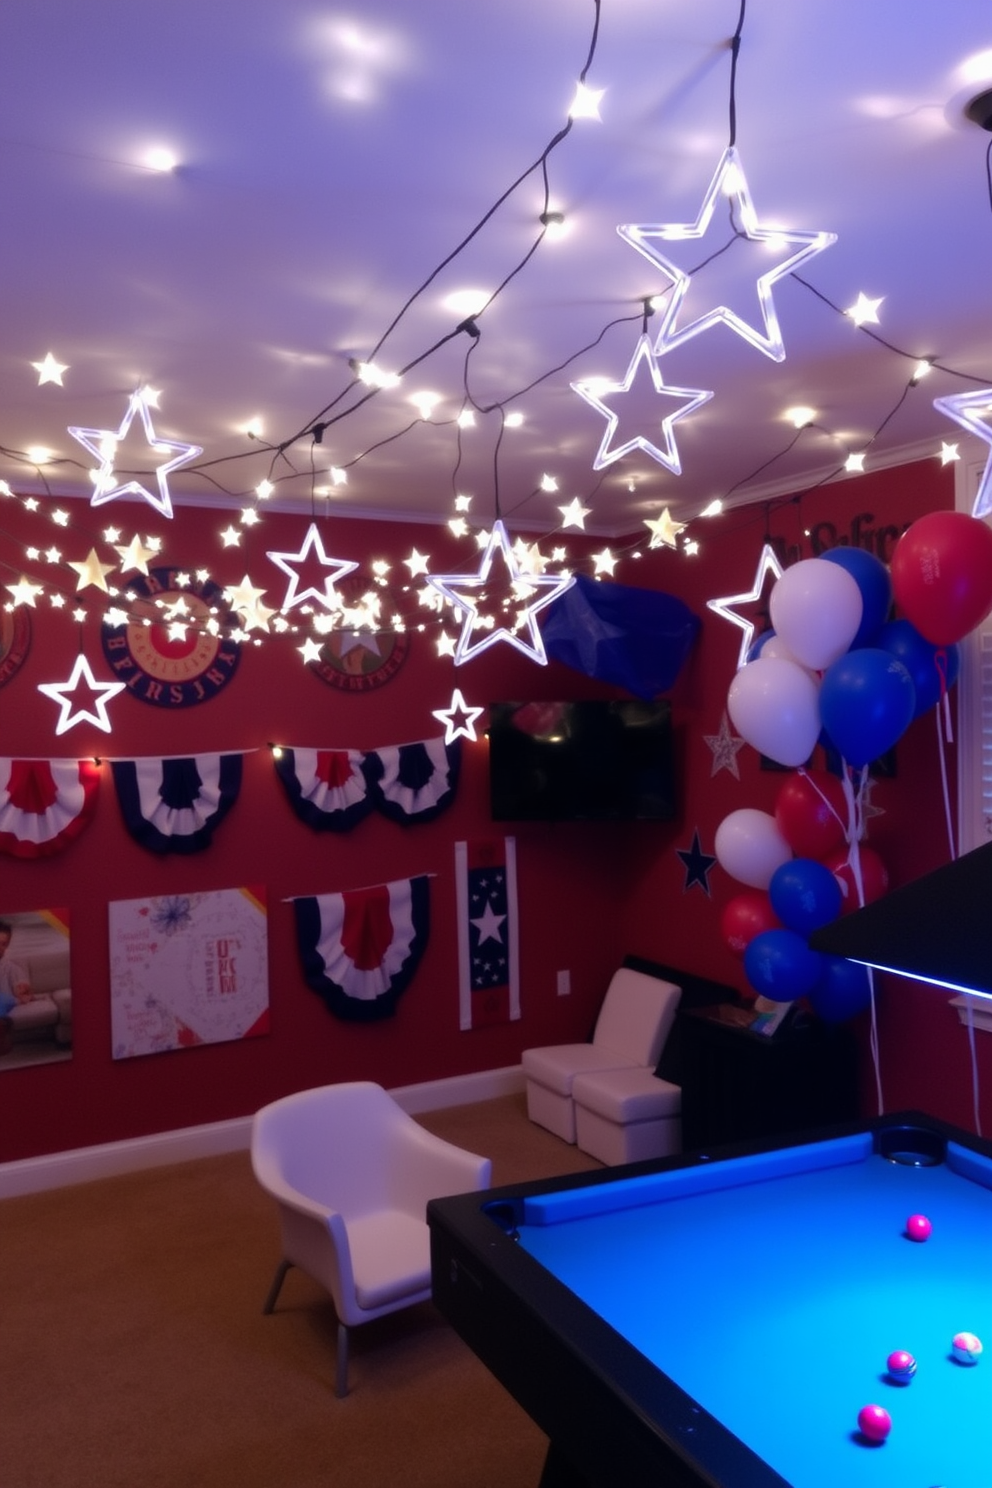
<point x="726" y="607"/>
<point x="664" y="530"/>
<point x="103" y="443"/>
<point x="92" y="572"/>
<point x="458" y="719"/>
<point x="95" y="695"/>
<point x="725" y="747"/>
<point x="642" y="371"/>
<point x="306" y="586"/>
<point x="973" y="411"/>
<point x="525" y="592"/>
<point x="729" y="181"/>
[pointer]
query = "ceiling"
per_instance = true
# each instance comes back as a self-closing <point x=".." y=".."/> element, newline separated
<point x="334" y="167"/>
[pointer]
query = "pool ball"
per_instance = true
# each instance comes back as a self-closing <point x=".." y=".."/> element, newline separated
<point x="918" y="1227"/>
<point x="966" y="1348"/>
<point x="874" y="1422"/>
<point x="901" y="1366"/>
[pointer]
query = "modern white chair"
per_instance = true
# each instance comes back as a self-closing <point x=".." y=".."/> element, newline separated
<point x="352" y="1173"/>
<point x="635" y="1019"/>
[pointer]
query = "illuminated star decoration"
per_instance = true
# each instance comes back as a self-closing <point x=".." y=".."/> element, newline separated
<point x="729" y="181"/>
<point x="50" y="370"/>
<point x="533" y="592"/>
<point x="24" y="592"/>
<point x="135" y="555"/>
<point x="103" y="444"/>
<point x="595" y="391"/>
<point x="96" y="696"/>
<point x="973" y="411"/>
<point x="725" y="747"/>
<point x="726" y="607"/>
<point x="92" y="572"/>
<point x="697" y="864"/>
<point x="458" y="719"/>
<point x="664" y="530"/>
<point x="325" y="595"/>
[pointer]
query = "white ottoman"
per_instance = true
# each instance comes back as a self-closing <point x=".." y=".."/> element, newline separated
<point x="627" y="1115"/>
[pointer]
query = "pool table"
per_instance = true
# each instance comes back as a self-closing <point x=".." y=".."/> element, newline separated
<point x="721" y="1319"/>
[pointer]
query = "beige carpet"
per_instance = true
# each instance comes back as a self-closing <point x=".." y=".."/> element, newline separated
<point x="134" y="1352"/>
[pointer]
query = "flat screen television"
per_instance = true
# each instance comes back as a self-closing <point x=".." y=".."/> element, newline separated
<point x="581" y="761"/>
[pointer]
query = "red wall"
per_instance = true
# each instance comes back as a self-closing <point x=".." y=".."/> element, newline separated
<point x="588" y="893"/>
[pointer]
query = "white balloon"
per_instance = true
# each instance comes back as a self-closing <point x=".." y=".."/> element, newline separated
<point x="816" y="608"/>
<point x="775" y="705"/>
<point x="750" y="847"/>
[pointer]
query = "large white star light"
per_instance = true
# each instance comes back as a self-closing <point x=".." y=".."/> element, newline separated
<point x="299" y="588"/>
<point x="666" y="451"/>
<point x="529" y="593"/>
<point x="973" y="411"/>
<point x="103" y="443"/>
<point x="726" y="607"/>
<point x="96" y="695"/>
<point x="729" y="181"/>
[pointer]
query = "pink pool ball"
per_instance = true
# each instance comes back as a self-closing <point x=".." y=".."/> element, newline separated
<point x="874" y="1422"/>
<point x="901" y="1366"/>
<point x="918" y="1227"/>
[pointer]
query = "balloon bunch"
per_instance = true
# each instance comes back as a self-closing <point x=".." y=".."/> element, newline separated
<point x="835" y="670"/>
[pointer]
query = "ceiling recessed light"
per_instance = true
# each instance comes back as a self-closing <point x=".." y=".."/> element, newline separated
<point x="160" y="158"/>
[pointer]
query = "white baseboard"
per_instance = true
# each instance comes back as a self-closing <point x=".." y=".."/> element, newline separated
<point x="109" y="1159"/>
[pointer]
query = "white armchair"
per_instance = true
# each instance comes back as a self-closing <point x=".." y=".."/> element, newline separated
<point x="633" y="1023"/>
<point x="352" y="1173"/>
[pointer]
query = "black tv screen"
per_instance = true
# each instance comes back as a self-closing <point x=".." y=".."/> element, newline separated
<point x="581" y="761"/>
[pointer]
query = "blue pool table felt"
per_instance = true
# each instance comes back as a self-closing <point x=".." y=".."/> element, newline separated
<point x="776" y="1301"/>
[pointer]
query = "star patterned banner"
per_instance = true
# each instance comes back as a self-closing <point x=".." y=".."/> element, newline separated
<point x="332" y="790"/>
<point x="488" y="956"/>
<point x="174" y="805"/>
<point x="45" y="804"/>
<point x="360" y="949"/>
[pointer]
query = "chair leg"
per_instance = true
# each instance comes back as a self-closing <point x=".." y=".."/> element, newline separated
<point x="341" y="1384"/>
<point x="277" y="1282"/>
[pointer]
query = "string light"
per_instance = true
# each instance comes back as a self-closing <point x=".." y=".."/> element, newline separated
<point x="49" y="370"/>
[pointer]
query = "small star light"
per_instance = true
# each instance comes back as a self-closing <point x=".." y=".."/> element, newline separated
<point x="585" y="104"/>
<point x="767" y="564"/>
<point x="865" y="311"/>
<point x="664" y="530"/>
<point x="231" y="537"/>
<point x="24" y="592"/>
<point x="574" y="514"/>
<point x="244" y="600"/>
<point x="458" y="719"/>
<point x="725" y="748"/>
<point x="729" y="181"/>
<point x="103" y="444"/>
<point x="92" y="572"/>
<point x="50" y="370"/>
<point x="135" y="555"/>
<point x="325" y="594"/>
<point x="973" y="411"/>
<point x="417" y="563"/>
<point x="594" y="393"/>
<point x="604" y="562"/>
<point x="855" y="462"/>
<point x="96" y="695"/>
<point x="948" y="453"/>
<point x="310" y="650"/>
<point x="529" y="593"/>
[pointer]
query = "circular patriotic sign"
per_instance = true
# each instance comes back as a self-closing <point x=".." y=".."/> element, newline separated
<point x="15" y="641"/>
<point x="172" y="651"/>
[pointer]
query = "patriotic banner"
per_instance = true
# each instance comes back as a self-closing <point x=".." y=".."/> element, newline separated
<point x="488" y="957"/>
<point x="174" y="805"/>
<point x="360" y="949"/>
<point x="45" y="804"/>
<point x="332" y="790"/>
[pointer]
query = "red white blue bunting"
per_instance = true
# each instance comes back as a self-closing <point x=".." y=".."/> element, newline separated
<point x="45" y="804"/>
<point x="174" y="805"/>
<point x="334" y="789"/>
<point x="359" y="949"/>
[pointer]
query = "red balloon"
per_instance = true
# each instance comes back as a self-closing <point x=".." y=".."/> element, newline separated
<point x="811" y="812"/>
<point x="874" y="876"/>
<point x="746" y="916"/>
<point x="942" y="575"/>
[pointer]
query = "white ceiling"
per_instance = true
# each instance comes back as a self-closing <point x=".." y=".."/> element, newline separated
<point x="332" y="160"/>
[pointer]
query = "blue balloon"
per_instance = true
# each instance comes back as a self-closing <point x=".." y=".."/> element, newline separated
<point x="932" y="668"/>
<point x="780" y="965"/>
<point x="842" y="992"/>
<point x="872" y="578"/>
<point x="867" y="701"/>
<point x="758" y="644"/>
<point x="805" y="895"/>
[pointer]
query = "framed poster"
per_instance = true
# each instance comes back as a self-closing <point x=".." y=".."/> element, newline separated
<point x="188" y="969"/>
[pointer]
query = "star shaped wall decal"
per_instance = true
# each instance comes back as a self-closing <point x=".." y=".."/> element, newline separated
<point x="530" y="593"/>
<point x="698" y="865"/>
<point x="96" y="696"/>
<point x="300" y="588"/>
<point x="103" y="444"/>
<point x="973" y="411"/>
<point x="726" y="607"/>
<point x="725" y="747"/>
<point x="642" y="362"/>
<point x="728" y="182"/>
<point x="458" y="719"/>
